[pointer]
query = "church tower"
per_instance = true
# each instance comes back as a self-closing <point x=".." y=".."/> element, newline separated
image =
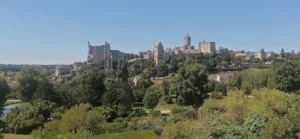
<point x="187" y="40"/>
<point x="158" y="52"/>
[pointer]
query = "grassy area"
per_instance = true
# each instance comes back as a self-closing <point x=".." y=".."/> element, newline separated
<point x="166" y="107"/>
<point x="213" y="103"/>
<point x="14" y="136"/>
<point x="12" y="101"/>
<point x="128" y="135"/>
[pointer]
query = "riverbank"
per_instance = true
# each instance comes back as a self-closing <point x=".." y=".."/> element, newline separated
<point x="12" y="101"/>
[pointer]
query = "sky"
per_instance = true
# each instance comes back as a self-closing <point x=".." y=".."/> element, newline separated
<point x="58" y="31"/>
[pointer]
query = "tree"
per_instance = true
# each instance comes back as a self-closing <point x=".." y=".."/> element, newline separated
<point x="92" y="82"/>
<point x="122" y="70"/>
<point x="87" y="122"/>
<point x="24" y="119"/>
<point x="28" y="82"/>
<point x="162" y="69"/>
<point x="71" y="95"/>
<point x="287" y="76"/>
<point x="139" y="90"/>
<point x="45" y="90"/>
<point x="235" y="82"/>
<point x="118" y="95"/>
<point x="4" y="90"/>
<point x="152" y="96"/>
<point x="188" y="94"/>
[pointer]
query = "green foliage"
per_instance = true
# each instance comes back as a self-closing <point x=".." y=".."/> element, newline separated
<point x="155" y="113"/>
<point x="78" y="122"/>
<point x="154" y="123"/>
<point x="92" y="82"/>
<point x="162" y="69"/>
<point x="45" y="90"/>
<point x="168" y="99"/>
<point x="139" y="90"/>
<point x="4" y="90"/>
<point x="188" y="94"/>
<point x="216" y="95"/>
<point x="143" y="134"/>
<point x="138" y="112"/>
<point x="152" y="96"/>
<point x="114" y="127"/>
<point x="235" y="83"/>
<point x="122" y="70"/>
<point x="118" y="95"/>
<point x="190" y="86"/>
<point x="71" y="95"/>
<point x="24" y="119"/>
<point x="220" y="87"/>
<point x="182" y="114"/>
<point x="252" y="79"/>
<point x="28" y="82"/>
<point x="288" y="76"/>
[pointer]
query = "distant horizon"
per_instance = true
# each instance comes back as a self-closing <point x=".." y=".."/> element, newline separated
<point x="41" y="64"/>
<point x="47" y="32"/>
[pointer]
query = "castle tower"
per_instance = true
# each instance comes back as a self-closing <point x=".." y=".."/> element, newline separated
<point x="187" y="40"/>
<point x="158" y="52"/>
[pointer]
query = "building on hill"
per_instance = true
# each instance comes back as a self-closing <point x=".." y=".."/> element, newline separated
<point x="148" y="55"/>
<point x="158" y="52"/>
<point x="102" y="55"/>
<point x="221" y="77"/>
<point x="270" y="54"/>
<point x="167" y="55"/>
<point x="116" y="55"/>
<point x="261" y="54"/>
<point x="62" y="70"/>
<point x="207" y="47"/>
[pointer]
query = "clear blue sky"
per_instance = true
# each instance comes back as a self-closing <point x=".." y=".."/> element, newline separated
<point x="57" y="31"/>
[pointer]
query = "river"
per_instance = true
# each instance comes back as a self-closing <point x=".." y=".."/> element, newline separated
<point x="8" y="108"/>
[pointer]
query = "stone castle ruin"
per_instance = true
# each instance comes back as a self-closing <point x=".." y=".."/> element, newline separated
<point x="102" y="55"/>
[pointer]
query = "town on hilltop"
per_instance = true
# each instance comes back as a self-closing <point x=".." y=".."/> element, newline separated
<point x="102" y="56"/>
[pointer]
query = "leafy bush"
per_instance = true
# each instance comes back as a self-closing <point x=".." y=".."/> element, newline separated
<point x="216" y="95"/>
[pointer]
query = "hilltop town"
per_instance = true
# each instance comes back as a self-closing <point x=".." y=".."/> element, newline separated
<point x="102" y="56"/>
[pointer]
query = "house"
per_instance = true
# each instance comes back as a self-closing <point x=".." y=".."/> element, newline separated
<point x="221" y="77"/>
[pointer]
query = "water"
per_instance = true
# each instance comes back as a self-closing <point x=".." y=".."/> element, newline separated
<point x="8" y="108"/>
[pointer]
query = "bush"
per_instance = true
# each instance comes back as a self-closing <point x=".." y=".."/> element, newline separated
<point x="155" y="113"/>
<point x="168" y="99"/>
<point x="138" y="112"/>
<point x="182" y="114"/>
<point x="216" y="95"/>
<point x="24" y="119"/>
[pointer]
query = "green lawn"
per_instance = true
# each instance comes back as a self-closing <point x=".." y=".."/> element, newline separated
<point x="14" y="136"/>
<point x="11" y="101"/>
<point x="144" y="134"/>
<point x="166" y="107"/>
<point x="213" y="103"/>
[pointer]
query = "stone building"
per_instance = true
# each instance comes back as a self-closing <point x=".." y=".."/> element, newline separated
<point x="148" y="55"/>
<point x="270" y="54"/>
<point x="116" y="55"/>
<point x="207" y="47"/>
<point x="167" y="55"/>
<point x="158" y="52"/>
<point x="187" y="40"/>
<point x="187" y="43"/>
<point x="98" y="53"/>
<point x="261" y="54"/>
<point x="62" y="70"/>
<point x="102" y="55"/>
